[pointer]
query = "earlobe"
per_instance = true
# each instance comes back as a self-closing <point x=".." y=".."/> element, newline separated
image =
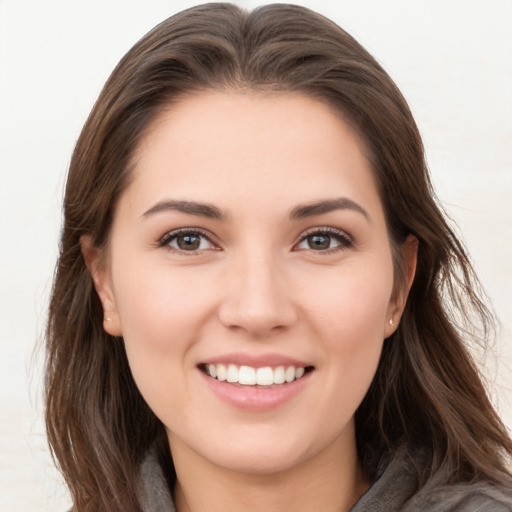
<point x="397" y="305"/>
<point x="95" y="262"/>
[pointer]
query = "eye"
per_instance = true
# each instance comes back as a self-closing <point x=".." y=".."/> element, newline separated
<point x="187" y="240"/>
<point x="324" y="240"/>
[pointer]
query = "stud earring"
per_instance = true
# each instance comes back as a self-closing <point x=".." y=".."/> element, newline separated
<point x="391" y="322"/>
<point x="108" y="319"/>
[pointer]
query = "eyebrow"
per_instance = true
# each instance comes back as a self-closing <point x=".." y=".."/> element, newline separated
<point x="191" y="207"/>
<point x="299" y="212"/>
<point x="326" y="206"/>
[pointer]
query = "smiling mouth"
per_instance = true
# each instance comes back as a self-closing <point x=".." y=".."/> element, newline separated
<point x="249" y="376"/>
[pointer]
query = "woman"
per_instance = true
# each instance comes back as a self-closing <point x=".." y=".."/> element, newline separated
<point x="256" y="299"/>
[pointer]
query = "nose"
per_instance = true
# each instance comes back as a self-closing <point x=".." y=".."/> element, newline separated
<point x="256" y="297"/>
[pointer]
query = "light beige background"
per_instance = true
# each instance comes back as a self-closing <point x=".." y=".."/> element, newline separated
<point x="452" y="60"/>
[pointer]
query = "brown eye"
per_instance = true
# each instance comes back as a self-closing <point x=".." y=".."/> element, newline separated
<point x="325" y="240"/>
<point x="319" y="242"/>
<point x="188" y="242"/>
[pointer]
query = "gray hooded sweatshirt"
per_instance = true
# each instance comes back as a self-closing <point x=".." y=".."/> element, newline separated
<point x="396" y="488"/>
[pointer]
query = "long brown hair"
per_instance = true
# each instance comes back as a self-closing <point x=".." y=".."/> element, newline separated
<point x="427" y="391"/>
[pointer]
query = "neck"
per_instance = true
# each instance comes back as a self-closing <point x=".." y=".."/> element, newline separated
<point x="332" y="481"/>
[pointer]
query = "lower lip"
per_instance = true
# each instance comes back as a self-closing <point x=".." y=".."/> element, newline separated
<point x="256" y="398"/>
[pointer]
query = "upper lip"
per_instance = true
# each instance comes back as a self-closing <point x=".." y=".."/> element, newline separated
<point x="256" y="361"/>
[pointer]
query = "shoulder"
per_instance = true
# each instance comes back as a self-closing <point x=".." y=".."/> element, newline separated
<point x="153" y="490"/>
<point x="477" y="497"/>
<point x="400" y="486"/>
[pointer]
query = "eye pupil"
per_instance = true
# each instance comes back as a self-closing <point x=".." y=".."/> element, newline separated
<point x="319" y="241"/>
<point x="188" y="242"/>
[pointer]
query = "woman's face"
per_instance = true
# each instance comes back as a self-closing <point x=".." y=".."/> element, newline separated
<point x="251" y="248"/>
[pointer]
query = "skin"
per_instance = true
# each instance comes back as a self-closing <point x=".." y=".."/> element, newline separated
<point x="256" y="286"/>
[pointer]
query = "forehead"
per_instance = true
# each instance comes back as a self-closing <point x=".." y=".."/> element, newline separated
<point x="216" y="146"/>
<point x="238" y="112"/>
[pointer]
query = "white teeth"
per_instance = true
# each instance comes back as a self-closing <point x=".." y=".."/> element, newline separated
<point x="222" y="373"/>
<point x="289" y="374"/>
<point x="265" y="376"/>
<point x="279" y="375"/>
<point x="232" y="373"/>
<point x="249" y="376"/>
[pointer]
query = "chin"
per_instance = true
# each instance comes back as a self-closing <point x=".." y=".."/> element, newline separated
<point x="257" y="460"/>
<point x="264" y="451"/>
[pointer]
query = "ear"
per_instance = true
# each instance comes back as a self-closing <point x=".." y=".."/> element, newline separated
<point x="397" y="304"/>
<point x="97" y="266"/>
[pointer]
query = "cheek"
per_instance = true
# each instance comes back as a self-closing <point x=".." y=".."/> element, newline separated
<point x="350" y="318"/>
<point x="160" y="313"/>
<point x="355" y="302"/>
<point x="158" y="307"/>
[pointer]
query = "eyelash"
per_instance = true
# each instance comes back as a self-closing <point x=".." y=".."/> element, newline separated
<point x="173" y="235"/>
<point x="345" y="242"/>
<point x="342" y="238"/>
